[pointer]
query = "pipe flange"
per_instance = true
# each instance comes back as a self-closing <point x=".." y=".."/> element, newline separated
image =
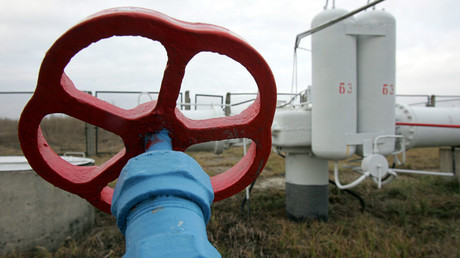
<point x="404" y="114"/>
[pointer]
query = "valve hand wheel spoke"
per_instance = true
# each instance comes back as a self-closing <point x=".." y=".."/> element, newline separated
<point x="90" y="109"/>
<point x="55" y="93"/>
<point x="171" y="83"/>
<point x="223" y="128"/>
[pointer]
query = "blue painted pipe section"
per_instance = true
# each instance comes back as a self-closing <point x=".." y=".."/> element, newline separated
<point x="162" y="203"/>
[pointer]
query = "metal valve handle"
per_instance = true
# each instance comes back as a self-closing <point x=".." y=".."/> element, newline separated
<point x="55" y="93"/>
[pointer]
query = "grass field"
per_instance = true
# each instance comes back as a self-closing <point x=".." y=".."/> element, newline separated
<point x="414" y="216"/>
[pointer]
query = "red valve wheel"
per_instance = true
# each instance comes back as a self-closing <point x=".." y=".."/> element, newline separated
<point x="55" y="93"/>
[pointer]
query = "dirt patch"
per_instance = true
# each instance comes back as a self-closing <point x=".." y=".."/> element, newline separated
<point x="270" y="183"/>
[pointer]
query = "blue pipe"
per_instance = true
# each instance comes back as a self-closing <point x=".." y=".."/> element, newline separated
<point x="162" y="202"/>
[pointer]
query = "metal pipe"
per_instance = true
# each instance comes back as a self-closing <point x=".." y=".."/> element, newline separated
<point x="16" y="92"/>
<point x="327" y="24"/>
<point x="211" y="96"/>
<point x="162" y="203"/>
<point x="140" y="96"/>
<point x="428" y="125"/>
<point x="350" y="185"/>
<point x="419" y="172"/>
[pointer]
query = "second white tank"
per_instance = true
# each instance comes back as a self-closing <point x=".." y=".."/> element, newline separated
<point x="334" y="87"/>
<point x="376" y="76"/>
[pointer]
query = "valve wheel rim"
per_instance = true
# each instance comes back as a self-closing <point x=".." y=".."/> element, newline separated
<point x="182" y="42"/>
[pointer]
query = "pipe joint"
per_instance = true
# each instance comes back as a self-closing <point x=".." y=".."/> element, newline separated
<point x="163" y="196"/>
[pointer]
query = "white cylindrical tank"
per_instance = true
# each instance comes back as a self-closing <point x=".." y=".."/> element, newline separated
<point x="214" y="146"/>
<point x="423" y="136"/>
<point x="333" y="87"/>
<point x="291" y="128"/>
<point x="376" y="76"/>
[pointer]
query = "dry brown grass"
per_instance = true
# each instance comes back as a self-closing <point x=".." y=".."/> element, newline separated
<point x="414" y="216"/>
<point x="9" y="143"/>
<point x="396" y="222"/>
<point x="103" y="240"/>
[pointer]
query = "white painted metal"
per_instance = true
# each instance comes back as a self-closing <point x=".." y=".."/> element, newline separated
<point x="350" y="185"/>
<point x="376" y="165"/>
<point x="389" y="177"/>
<point x="292" y="128"/>
<point x="306" y="169"/>
<point x="212" y="112"/>
<point x="139" y="97"/>
<point x="215" y="146"/>
<point x="376" y="76"/>
<point x="334" y="87"/>
<point x="20" y="163"/>
<point x="420" y="136"/>
<point x="420" y="172"/>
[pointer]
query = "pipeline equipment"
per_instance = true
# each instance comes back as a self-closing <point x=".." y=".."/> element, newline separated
<point x="55" y="93"/>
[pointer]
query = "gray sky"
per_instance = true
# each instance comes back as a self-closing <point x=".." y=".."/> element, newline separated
<point x="428" y="49"/>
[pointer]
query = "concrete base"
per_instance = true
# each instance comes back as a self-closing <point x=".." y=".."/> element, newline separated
<point x="307" y="201"/>
<point x="307" y="186"/>
<point x="447" y="156"/>
<point x="35" y="213"/>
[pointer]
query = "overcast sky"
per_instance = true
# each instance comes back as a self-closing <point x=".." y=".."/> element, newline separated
<point x="428" y="44"/>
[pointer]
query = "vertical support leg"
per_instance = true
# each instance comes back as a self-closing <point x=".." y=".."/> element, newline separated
<point x="449" y="160"/>
<point x="187" y="100"/>
<point x="90" y="139"/>
<point x="228" y="101"/>
<point x="307" y="187"/>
